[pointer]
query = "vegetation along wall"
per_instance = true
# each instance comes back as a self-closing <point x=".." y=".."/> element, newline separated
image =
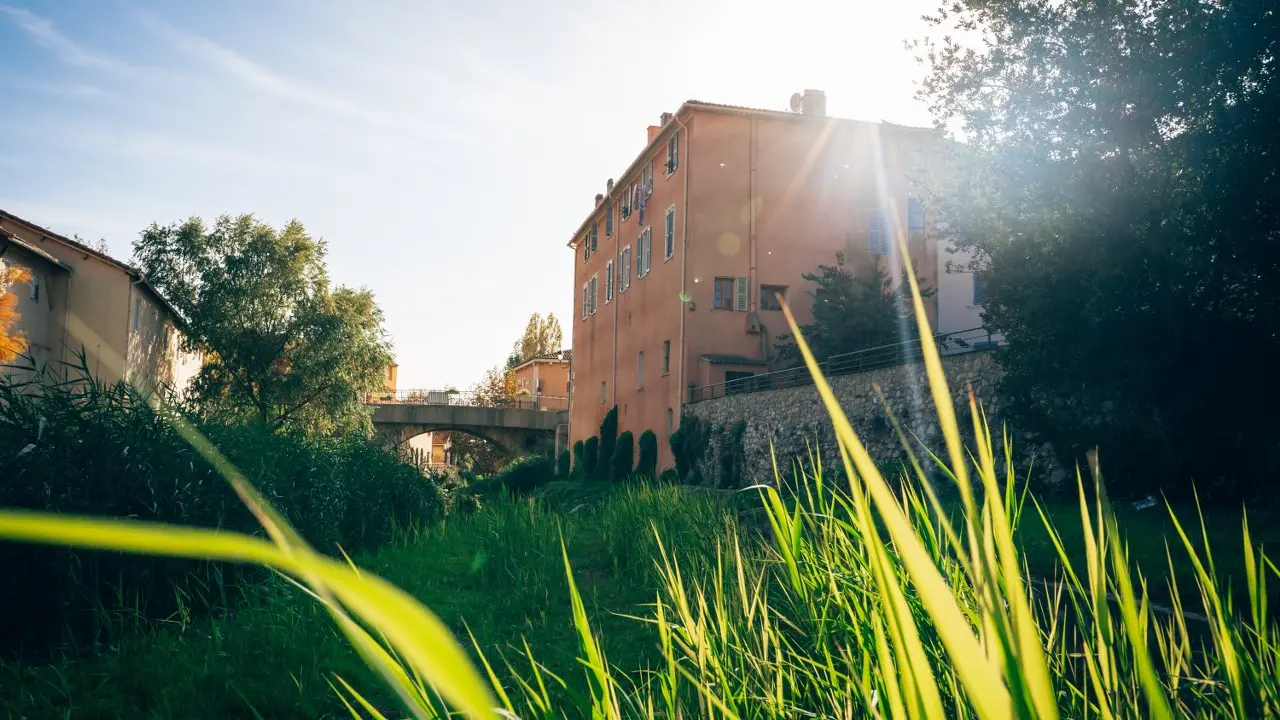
<point x="792" y="419"/>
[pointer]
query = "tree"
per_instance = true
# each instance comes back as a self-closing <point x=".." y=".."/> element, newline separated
<point x="1119" y="193"/>
<point x="280" y="344"/>
<point x="12" y="342"/>
<point x="542" y="336"/>
<point x="623" y="460"/>
<point x="647" y="464"/>
<point x="853" y="309"/>
<point x="608" y="441"/>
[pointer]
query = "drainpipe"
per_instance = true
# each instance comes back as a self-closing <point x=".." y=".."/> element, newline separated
<point x="684" y="265"/>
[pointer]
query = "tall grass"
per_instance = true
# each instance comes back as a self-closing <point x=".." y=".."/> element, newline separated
<point x="869" y="600"/>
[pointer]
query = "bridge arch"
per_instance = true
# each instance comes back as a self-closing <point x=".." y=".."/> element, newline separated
<point x="515" y="431"/>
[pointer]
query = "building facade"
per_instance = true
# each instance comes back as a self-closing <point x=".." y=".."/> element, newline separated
<point x="681" y="265"/>
<point x="80" y="300"/>
<point x="544" y="381"/>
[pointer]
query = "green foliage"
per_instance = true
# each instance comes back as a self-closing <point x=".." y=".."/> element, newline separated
<point x="623" y="460"/>
<point x="541" y="337"/>
<point x="669" y="477"/>
<point x="647" y="464"/>
<point x="590" y="456"/>
<point x="279" y="343"/>
<point x="731" y="454"/>
<point x="579" y="460"/>
<point x="82" y="447"/>
<point x="608" y="441"/>
<point x="523" y="476"/>
<point x="689" y="445"/>
<point x="853" y="309"/>
<point x="563" y="465"/>
<point x="1118" y="193"/>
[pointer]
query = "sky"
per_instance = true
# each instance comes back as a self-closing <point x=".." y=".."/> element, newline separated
<point x="445" y="151"/>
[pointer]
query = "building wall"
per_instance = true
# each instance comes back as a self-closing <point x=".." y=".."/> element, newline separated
<point x="39" y="318"/>
<point x="543" y="377"/>
<point x="770" y="199"/>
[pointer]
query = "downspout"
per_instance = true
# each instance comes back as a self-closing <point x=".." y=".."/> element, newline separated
<point x="684" y="265"/>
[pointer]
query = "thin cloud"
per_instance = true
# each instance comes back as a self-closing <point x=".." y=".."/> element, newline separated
<point x="43" y="33"/>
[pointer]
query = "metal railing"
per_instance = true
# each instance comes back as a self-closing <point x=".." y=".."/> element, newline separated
<point x="901" y="353"/>
<point x="468" y="398"/>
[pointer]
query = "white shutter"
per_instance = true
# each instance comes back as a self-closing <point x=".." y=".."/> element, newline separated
<point x="584" y="301"/>
<point x="740" y="294"/>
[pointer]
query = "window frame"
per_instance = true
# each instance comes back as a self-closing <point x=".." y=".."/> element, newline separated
<point x="595" y="292"/>
<point x="644" y="254"/>
<point x="608" y="219"/>
<point x="979" y="290"/>
<point x="624" y="269"/>
<point x="640" y="370"/>
<point x="673" y="153"/>
<point x="608" y="282"/>
<point x="666" y="358"/>
<point x="669" y="228"/>
<point x="766" y="292"/>
<point x="716" y="294"/>
<point x="878" y="229"/>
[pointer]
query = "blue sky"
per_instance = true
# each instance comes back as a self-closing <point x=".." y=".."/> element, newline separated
<point x="444" y="150"/>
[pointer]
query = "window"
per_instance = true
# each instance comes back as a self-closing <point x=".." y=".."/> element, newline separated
<point x="671" y="419"/>
<point x="740" y="294"/>
<point x="640" y="370"/>
<point x="723" y="294"/>
<point x="669" y="248"/>
<point x="601" y="392"/>
<point x="608" y="220"/>
<point x="586" y="249"/>
<point x="877" y="233"/>
<point x="585" y="302"/>
<point x="736" y="382"/>
<point x="644" y="253"/>
<point x="979" y="289"/>
<point x="595" y="235"/>
<point x="137" y="313"/>
<point x="624" y="270"/>
<point x="595" y="291"/>
<point x="624" y="207"/>
<point x="915" y="220"/>
<point x="646" y="179"/>
<point x="608" y="281"/>
<point x="666" y="357"/>
<point x="35" y="286"/>
<point x="673" y="153"/>
<point x="771" y="296"/>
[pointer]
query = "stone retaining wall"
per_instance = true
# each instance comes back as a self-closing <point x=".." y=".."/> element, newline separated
<point x="792" y="419"/>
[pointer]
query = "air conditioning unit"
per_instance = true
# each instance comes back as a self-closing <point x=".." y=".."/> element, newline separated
<point x="754" y="326"/>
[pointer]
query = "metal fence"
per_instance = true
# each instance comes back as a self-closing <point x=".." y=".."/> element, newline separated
<point x="902" y="353"/>
<point x="468" y="398"/>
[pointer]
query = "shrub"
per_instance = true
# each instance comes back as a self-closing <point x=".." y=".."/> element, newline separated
<point x="579" y="460"/>
<point x="590" y="454"/>
<point x="689" y="446"/>
<point x="623" y="455"/>
<point x="526" y="474"/>
<point x="732" y="455"/>
<point x="608" y="441"/>
<point x="562" y="465"/>
<point x="669" y="477"/>
<point x="647" y="464"/>
<point x="86" y="448"/>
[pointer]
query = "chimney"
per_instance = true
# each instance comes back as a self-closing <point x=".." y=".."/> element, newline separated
<point x="814" y="103"/>
<point x="608" y="186"/>
<point x="666" y="118"/>
<point x="653" y="133"/>
<point x="599" y="198"/>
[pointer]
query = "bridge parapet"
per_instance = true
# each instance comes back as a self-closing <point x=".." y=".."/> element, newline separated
<point x="470" y="398"/>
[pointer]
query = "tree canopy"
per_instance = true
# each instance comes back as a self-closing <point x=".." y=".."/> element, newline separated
<point x="855" y="307"/>
<point x="12" y="342"/>
<point x="1119" y="188"/>
<point x="279" y="342"/>
<point x="542" y="336"/>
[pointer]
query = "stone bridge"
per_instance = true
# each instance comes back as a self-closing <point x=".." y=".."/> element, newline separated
<point x="515" y="430"/>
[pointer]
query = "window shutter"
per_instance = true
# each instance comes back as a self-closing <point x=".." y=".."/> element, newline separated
<point x="740" y="294"/>
<point x="877" y="240"/>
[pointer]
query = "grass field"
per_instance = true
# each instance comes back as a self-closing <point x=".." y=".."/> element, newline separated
<point x="498" y="574"/>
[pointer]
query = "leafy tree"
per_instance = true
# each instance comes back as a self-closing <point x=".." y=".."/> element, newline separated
<point x="623" y="460"/>
<point x="1118" y="190"/>
<point x="608" y="441"/>
<point x="280" y="344"/>
<point x="854" y="308"/>
<point x="579" y="461"/>
<point x="647" y="464"/>
<point x="12" y="342"/>
<point x="689" y="445"/>
<point x="563" y="465"/>
<point x="542" y="336"/>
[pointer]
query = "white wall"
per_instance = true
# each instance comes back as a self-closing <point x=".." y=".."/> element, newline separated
<point x="956" y="309"/>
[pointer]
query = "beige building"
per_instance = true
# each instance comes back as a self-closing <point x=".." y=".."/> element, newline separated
<point x="82" y="300"/>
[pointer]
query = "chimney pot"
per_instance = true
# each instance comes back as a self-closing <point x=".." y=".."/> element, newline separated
<point x="814" y="103"/>
<point x="599" y="198"/>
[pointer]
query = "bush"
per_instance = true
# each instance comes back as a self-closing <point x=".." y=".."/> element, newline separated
<point x="732" y="455"/>
<point x="669" y="477"/>
<point x="608" y="441"/>
<point x="579" y="460"/>
<point x="86" y="448"/>
<point x="525" y="475"/>
<point x="563" y="466"/>
<point x="623" y="455"/>
<point x="647" y="465"/>
<point x="689" y="446"/>
<point x="590" y="454"/>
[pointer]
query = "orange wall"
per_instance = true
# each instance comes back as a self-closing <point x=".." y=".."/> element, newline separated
<point x="771" y="199"/>
<point x="552" y="375"/>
